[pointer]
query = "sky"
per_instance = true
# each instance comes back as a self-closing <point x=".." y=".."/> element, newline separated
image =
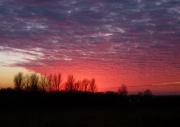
<point x="131" y="42"/>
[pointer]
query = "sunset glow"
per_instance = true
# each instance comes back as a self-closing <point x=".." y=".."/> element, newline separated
<point x="135" y="42"/>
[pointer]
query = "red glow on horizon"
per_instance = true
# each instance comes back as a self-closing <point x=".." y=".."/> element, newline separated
<point x="111" y="79"/>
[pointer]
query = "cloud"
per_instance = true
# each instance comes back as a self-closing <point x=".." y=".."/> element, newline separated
<point x="128" y="34"/>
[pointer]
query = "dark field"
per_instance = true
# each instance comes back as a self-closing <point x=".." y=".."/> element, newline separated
<point x="69" y="110"/>
<point x="92" y="117"/>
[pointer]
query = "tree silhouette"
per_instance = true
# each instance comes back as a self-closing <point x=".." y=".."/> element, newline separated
<point x="34" y="79"/>
<point x="19" y="81"/>
<point x="140" y="94"/>
<point x="69" y="85"/>
<point x="57" y="79"/>
<point x="43" y="83"/>
<point x="27" y="82"/>
<point x="122" y="90"/>
<point x="77" y="85"/>
<point x="147" y="92"/>
<point x="50" y="82"/>
<point x="85" y="84"/>
<point x="92" y="86"/>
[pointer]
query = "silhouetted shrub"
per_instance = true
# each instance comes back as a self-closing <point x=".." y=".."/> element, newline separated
<point x="122" y="90"/>
<point x="92" y="86"/>
<point x="69" y="85"/>
<point x="147" y="92"/>
<point x="19" y="81"/>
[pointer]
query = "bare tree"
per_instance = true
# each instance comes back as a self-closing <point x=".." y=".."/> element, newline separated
<point x="69" y="86"/>
<point x="122" y="90"/>
<point x="92" y="86"/>
<point x="140" y="94"/>
<point x="77" y="85"/>
<point x="19" y="81"/>
<point x="27" y="82"/>
<point x="50" y="82"/>
<point x="43" y="82"/>
<point x="34" y="79"/>
<point x="85" y="84"/>
<point x="147" y="92"/>
<point x="57" y="81"/>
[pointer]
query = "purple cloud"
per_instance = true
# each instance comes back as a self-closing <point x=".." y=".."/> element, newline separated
<point x="139" y="35"/>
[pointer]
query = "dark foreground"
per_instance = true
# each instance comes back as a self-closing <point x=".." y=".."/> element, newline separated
<point x="87" y="110"/>
<point x="91" y="117"/>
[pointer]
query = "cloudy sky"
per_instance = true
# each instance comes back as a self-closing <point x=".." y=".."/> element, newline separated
<point x="132" y="42"/>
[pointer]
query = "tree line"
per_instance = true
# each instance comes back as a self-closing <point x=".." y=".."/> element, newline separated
<point x="52" y="82"/>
